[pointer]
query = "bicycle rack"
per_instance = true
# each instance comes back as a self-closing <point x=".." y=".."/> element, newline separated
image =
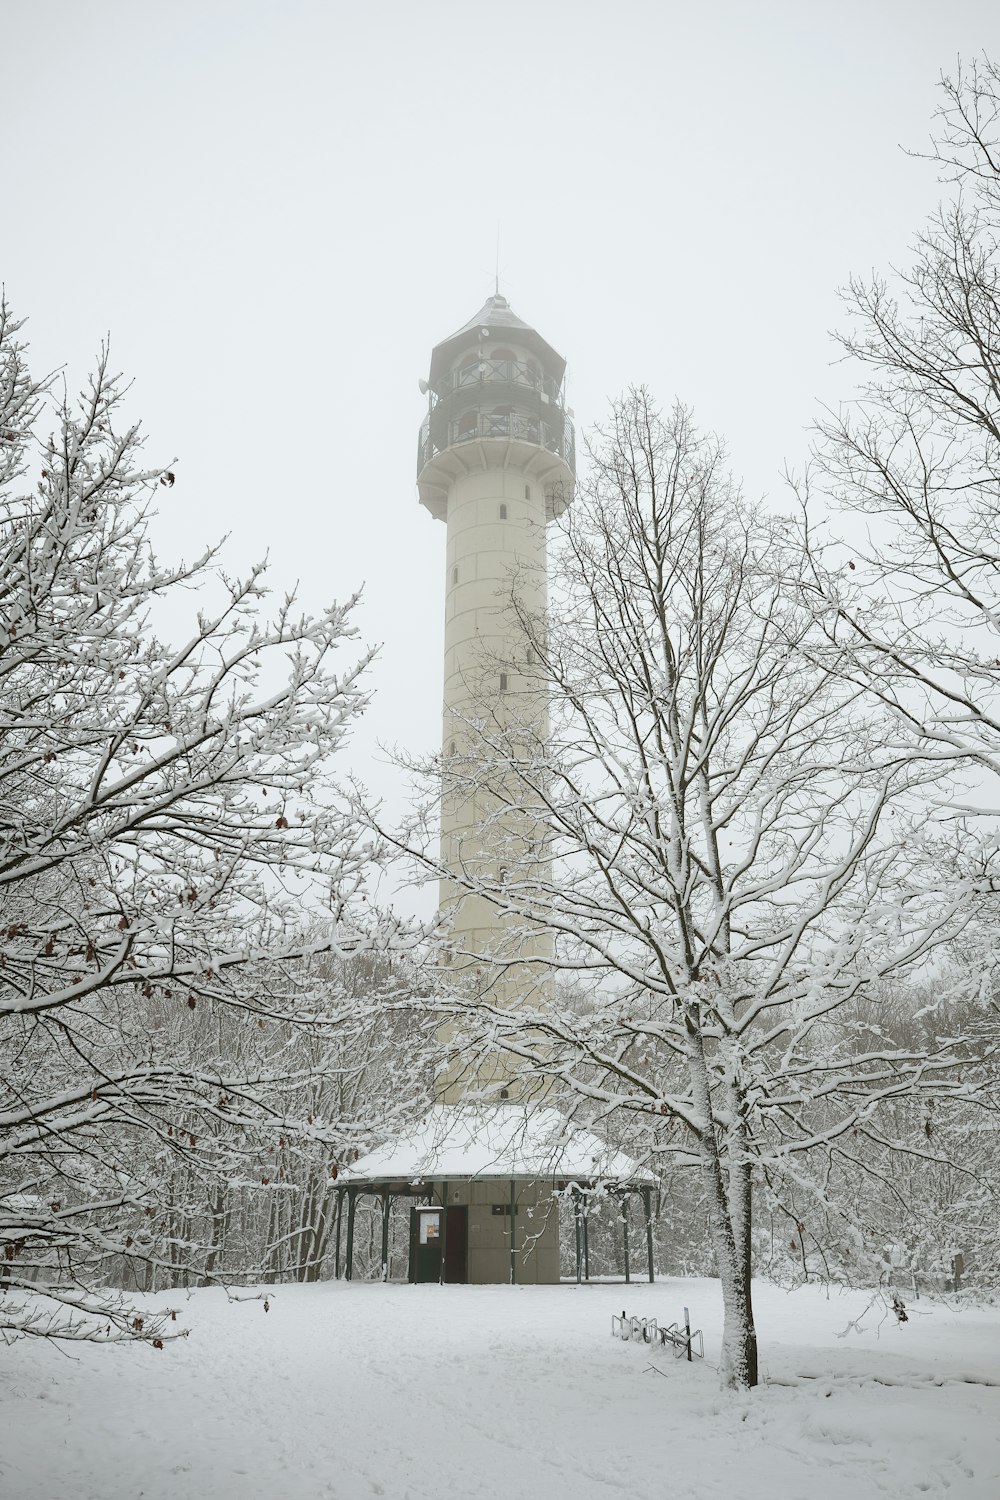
<point x="681" y="1341"/>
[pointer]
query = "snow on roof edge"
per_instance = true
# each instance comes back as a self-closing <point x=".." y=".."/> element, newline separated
<point x="493" y="1142"/>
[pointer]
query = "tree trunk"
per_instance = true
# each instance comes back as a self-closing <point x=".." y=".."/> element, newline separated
<point x="740" y="1213"/>
<point x="738" y="1364"/>
<point x="741" y="1194"/>
<point x="217" y="1212"/>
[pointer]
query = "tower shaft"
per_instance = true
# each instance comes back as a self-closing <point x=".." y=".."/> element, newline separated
<point x="495" y="463"/>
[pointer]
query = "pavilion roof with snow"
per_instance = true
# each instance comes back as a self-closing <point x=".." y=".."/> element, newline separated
<point x="529" y="1149"/>
<point x="510" y="1142"/>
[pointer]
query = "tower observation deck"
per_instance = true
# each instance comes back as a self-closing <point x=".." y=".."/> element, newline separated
<point x="495" y="381"/>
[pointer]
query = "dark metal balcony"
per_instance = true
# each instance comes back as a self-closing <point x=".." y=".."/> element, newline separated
<point x="495" y="372"/>
<point x="478" y="427"/>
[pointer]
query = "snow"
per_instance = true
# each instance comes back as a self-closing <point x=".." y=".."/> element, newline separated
<point x="352" y="1390"/>
<point x="505" y="1140"/>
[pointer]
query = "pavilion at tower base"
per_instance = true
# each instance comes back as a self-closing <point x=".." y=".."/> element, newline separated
<point x="484" y="1184"/>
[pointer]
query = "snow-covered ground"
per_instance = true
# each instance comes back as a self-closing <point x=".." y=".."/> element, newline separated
<point x="412" y="1392"/>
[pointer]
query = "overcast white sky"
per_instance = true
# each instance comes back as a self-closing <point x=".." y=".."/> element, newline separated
<point x="277" y="209"/>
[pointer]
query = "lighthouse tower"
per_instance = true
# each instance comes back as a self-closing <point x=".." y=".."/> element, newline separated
<point x="490" y="1161"/>
<point x="495" y="462"/>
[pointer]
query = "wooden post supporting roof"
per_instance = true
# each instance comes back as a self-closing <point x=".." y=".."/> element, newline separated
<point x="628" y="1276"/>
<point x="385" y="1234"/>
<point x="340" y="1219"/>
<point x="586" y="1238"/>
<point x="649" y="1229"/>
<point x="352" y="1195"/>
<point x="444" y="1230"/>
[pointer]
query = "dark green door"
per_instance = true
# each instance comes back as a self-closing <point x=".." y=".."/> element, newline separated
<point x="425" y="1244"/>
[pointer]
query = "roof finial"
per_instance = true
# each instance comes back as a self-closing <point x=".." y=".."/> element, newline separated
<point x="498" y="260"/>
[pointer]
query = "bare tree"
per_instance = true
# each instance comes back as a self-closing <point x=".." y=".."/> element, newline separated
<point x="914" y="607"/>
<point x="911" y="606"/>
<point x="725" y="853"/>
<point x="245" y="1192"/>
<point x="168" y="823"/>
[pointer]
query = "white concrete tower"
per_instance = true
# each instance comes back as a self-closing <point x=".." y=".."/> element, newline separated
<point x="495" y="462"/>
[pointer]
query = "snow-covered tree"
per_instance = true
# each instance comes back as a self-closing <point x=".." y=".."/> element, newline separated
<point x="913" y="601"/>
<point x="724" y="851"/>
<point x="908" y="474"/>
<point x="255" y="1202"/>
<point x="168" y="825"/>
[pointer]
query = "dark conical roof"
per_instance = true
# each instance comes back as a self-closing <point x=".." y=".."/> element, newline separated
<point x="496" y="312"/>
<point x="497" y="316"/>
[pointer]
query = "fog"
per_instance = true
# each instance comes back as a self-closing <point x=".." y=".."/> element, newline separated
<point x="276" y="212"/>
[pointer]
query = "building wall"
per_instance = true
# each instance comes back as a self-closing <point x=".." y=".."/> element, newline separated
<point x="489" y="686"/>
<point x="495" y="491"/>
<point x="536" y="1243"/>
<point x="488" y="680"/>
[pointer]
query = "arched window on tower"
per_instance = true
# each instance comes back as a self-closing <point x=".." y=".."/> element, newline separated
<point x="468" y="372"/>
<point x="503" y="364"/>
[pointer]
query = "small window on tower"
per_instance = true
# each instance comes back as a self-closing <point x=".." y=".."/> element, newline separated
<point x="451" y="748"/>
<point x="530" y="658"/>
<point x="503" y="512"/>
<point x="503" y="682"/>
<point x="527" y="492"/>
<point x="454" y="574"/>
